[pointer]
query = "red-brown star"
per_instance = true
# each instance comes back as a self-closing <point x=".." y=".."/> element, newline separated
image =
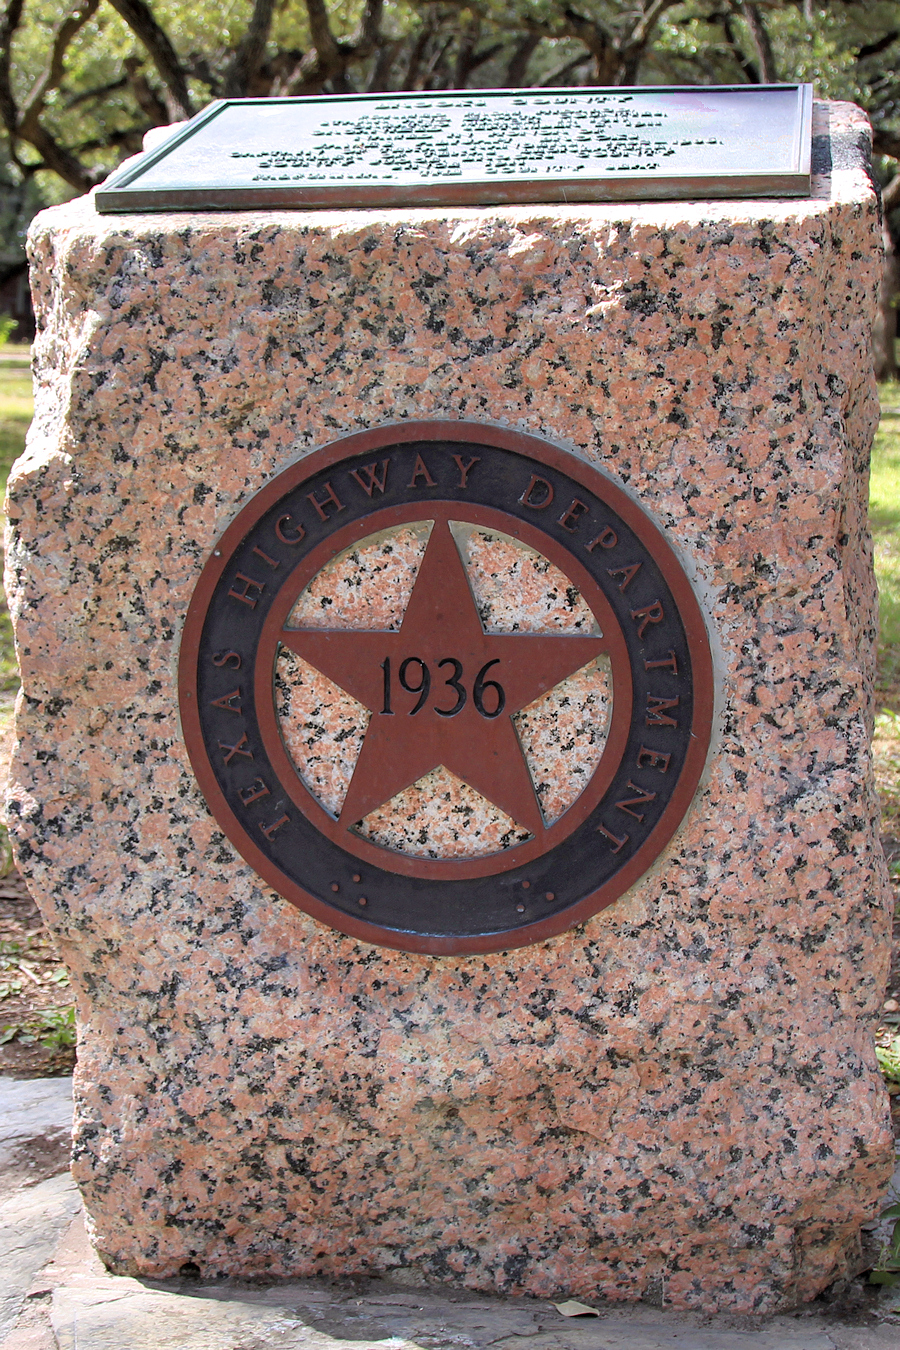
<point x="442" y="691"/>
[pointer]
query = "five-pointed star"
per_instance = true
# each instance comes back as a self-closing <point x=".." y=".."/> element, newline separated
<point x="442" y="633"/>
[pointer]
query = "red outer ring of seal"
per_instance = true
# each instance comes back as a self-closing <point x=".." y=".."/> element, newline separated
<point x="543" y="452"/>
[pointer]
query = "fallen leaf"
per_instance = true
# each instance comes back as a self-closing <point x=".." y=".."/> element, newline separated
<point x="572" y="1308"/>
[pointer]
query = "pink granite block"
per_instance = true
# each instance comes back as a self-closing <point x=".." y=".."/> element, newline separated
<point x="679" y="1098"/>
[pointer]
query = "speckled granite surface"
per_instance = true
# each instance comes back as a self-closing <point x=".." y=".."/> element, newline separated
<point x="677" y="1101"/>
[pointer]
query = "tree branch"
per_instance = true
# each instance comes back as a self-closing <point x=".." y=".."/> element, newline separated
<point x="886" y="142"/>
<point x="26" y="125"/>
<point x="616" y="58"/>
<point x="465" y="52"/>
<point x="633" y="47"/>
<point x="130" y="140"/>
<point x="326" y="60"/>
<point x="76" y="100"/>
<point x="891" y="194"/>
<point x="12" y="17"/>
<point x="139" y="17"/>
<point x="367" y="37"/>
<point x="51" y="76"/>
<point x="760" y="38"/>
<point x="380" y="74"/>
<point x="311" y="75"/>
<point x="876" y="48"/>
<point x="486" y="54"/>
<point x="745" y="64"/>
<point x="522" y="53"/>
<point x="323" y="38"/>
<point x="245" y="64"/>
<point x="145" y="96"/>
<point x="647" y="21"/>
<point x="430" y="79"/>
<point x="562" y="73"/>
<point x="61" y="160"/>
<point x="594" y="36"/>
<point x="417" y="52"/>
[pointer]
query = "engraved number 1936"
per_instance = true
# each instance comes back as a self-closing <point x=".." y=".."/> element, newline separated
<point x="421" y="684"/>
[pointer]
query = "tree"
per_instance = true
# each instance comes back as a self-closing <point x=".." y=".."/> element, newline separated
<point x="80" y="86"/>
<point x="78" y="89"/>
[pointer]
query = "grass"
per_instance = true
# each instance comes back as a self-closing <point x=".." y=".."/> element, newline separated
<point x="15" y="415"/>
<point x="884" y="514"/>
<point x="886" y="750"/>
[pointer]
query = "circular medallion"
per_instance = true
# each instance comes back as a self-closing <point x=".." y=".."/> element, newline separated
<point x="445" y="687"/>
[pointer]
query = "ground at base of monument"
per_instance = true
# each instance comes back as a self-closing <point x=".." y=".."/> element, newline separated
<point x="56" y="1295"/>
<point x="73" y="1302"/>
<point x="37" y="1024"/>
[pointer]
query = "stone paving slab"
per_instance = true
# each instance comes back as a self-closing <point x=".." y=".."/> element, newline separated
<point x="93" y="1310"/>
<point x="31" y="1224"/>
<point x="56" y="1295"/>
<point x="110" y="1314"/>
<point x="38" y="1199"/>
<point x="31" y="1108"/>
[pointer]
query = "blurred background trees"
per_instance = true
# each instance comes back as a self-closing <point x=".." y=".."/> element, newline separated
<point x="80" y="85"/>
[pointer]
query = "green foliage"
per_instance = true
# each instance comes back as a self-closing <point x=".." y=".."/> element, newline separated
<point x="13" y="431"/>
<point x="15" y="414"/>
<point x="825" y="49"/>
<point x="887" y="1268"/>
<point x="6" y="854"/>
<point x="889" y="1061"/>
<point x="110" y="84"/>
<point x="884" y="515"/>
<point x="20" y="200"/>
<point x="53" y="1028"/>
<point x="886" y="749"/>
<point x="11" y="953"/>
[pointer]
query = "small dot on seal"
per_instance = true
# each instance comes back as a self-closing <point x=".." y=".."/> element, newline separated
<point x="335" y="886"/>
<point x="357" y="877"/>
<point x="520" y="908"/>
<point x="551" y="895"/>
<point x="525" y="885"/>
<point x="362" y="900"/>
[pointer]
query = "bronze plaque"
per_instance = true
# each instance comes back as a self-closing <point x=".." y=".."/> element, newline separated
<point x="446" y="687"/>
<point x="489" y="146"/>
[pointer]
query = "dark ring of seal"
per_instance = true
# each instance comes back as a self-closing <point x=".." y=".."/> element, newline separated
<point x="587" y="524"/>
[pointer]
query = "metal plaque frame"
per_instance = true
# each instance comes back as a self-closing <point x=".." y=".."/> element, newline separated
<point x="649" y="625"/>
<point x="481" y="147"/>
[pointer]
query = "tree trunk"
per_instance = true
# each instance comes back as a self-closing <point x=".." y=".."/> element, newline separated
<point x="884" y="329"/>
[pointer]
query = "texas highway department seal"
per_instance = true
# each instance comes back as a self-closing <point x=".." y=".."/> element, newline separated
<point x="445" y="687"/>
